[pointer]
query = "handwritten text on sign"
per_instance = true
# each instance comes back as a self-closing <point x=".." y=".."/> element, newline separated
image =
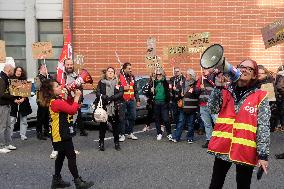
<point x="273" y="34"/>
<point x="2" y="52"/>
<point x="20" y="87"/>
<point x="153" y="62"/>
<point x="177" y="50"/>
<point x="42" y="50"/>
<point x="198" y="42"/>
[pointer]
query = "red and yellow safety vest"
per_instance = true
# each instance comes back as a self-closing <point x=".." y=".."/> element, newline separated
<point x="129" y="94"/>
<point x="235" y="134"/>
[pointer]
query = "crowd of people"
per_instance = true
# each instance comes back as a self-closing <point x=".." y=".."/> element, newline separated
<point x="236" y="117"/>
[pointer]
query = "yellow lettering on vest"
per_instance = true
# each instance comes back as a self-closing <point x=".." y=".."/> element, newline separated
<point x="244" y="142"/>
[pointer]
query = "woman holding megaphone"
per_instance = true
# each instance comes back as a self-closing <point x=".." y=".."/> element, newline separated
<point x="241" y="134"/>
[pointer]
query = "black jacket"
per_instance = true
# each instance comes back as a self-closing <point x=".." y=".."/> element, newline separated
<point x="148" y="93"/>
<point x="101" y="90"/>
<point x="5" y="97"/>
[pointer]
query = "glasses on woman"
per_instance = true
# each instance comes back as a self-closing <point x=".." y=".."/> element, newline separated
<point x="247" y="68"/>
<point x="159" y="74"/>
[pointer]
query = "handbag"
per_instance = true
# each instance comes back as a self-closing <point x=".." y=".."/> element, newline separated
<point x="100" y="115"/>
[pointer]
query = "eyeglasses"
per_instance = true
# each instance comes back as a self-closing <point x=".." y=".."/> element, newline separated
<point x="247" y="68"/>
<point x="159" y="74"/>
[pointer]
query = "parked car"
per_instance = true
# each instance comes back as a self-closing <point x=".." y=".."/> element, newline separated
<point x="87" y="109"/>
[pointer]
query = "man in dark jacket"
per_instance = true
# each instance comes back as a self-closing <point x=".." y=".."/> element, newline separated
<point x="127" y="110"/>
<point x="5" y="100"/>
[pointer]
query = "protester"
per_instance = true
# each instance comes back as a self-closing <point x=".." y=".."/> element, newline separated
<point x="175" y="84"/>
<point x="5" y="100"/>
<point x="206" y="84"/>
<point x="111" y="95"/>
<point x="265" y="78"/>
<point x="70" y="75"/>
<point x="161" y="99"/>
<point x="42" y="112"/>
<point x="188" y="100"/>
<point x="241" y="134"/>
<point x="22" y="109"/>
<point x="61" y="113"/>
<point x="127" y="109"/>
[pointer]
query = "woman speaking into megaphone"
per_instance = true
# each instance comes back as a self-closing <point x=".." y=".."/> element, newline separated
<point x="241" y="134"/>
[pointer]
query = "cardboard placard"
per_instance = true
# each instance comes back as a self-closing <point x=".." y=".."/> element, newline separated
<point x="198" y="42"/>
<point x="153" y="62"/>
<point x="2" y="52"/>
<point x="42" y="50"/>
<point x="151" y="46"/>
<point x="269" y="87"/>
<point x="273" y="33"/>
<point x="21" y="88"/>
<point x="177" y="50"/>
<point x="79" y="63"/>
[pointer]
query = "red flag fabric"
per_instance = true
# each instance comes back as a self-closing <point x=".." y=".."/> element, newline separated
<point x="65" y="54"/>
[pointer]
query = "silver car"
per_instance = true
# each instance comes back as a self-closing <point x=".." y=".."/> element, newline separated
<point x="87" y="110"/>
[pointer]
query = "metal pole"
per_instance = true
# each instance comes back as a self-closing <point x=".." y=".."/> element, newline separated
<point x="71" y="24"/>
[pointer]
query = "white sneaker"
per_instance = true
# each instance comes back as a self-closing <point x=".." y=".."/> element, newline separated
<point x="11" y="147"/>
<point x="77" y="152"/>
<point x="121" y="138"/>
<point x="170" y="137"/>
<point x="159" y="137"/>
<point x="53" y="154"/>
<point x="146" y="128"/>
<point x="4" y="151"/>
<point x="132" y="136"/>
<point x="23" y="137"/>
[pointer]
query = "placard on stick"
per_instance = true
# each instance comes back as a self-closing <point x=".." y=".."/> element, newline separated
<point x="42" y="50"/>
<point x="2" y="52"/>
<point x="153" y="62"/>
<point x="21" y="88"/>
<point x="198" y="42"/>
<point x="270" y="91"/>
<point x="79" y="63"/>
<point x="273" y="33"/>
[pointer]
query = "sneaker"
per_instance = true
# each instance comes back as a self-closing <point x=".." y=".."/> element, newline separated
<point x="4" y="151"/>
<point x="162" y="128"/>
<point x="132" y="136"/>
<point x="11" y="147"/>
<point x="23" y="137"/>
<point x="170" y="137"/>
<point x="146" y="128"/>
<point x="173" y="140"/>
<point x="53" y="154"/>
<point x="77" y="152"/>
<point x="159" y="137"/>
<point x="189" y="141"/>
<point x="121" y="138"/>
<point x="205" y="145"/>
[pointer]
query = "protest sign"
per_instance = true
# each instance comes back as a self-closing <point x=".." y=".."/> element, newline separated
<point x="177" y="50"/>
<point x="2" y="52"/>
<point x="42" y="50"/>
<point x="20" y="88"/>
<point x="273" y="33"/>
<point x="153" y="62"/>
<point x="151" y="46"/>
<point x="198" y="42"/>
<point x="269" y="87"/>
<point x="78" y="63"/>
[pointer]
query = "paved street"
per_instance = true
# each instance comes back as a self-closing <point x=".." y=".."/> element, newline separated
<point x="145" y="163"/>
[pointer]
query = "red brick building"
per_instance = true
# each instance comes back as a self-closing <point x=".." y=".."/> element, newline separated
<point x="102" y="27"/>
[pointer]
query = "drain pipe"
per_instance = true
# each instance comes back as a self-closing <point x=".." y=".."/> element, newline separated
<point x="71" y="11"/>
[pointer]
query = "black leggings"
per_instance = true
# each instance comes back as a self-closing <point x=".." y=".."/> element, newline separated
<point x="68" y="151"/>
<point x="115" y="127"/>
<point x="220" y="169"/>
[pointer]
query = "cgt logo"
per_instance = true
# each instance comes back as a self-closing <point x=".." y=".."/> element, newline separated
<point x="251" y="109"/>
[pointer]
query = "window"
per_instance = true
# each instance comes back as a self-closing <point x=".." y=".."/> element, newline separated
<point x="13" y="33"/>
<point x="51" y="30"/>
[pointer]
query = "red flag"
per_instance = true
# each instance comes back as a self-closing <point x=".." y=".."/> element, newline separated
<point x="65" y="53"/>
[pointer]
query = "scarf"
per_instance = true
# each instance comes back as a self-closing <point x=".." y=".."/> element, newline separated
<point x="110" y="86"/>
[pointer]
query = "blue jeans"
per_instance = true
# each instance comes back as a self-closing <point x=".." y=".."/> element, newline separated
<point x="185" y="119"/>
<point x="161" y="111"/>
<point x="127" y="116"/>
<point x="208" y="121"/>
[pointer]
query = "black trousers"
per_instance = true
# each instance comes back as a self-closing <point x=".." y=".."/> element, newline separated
<point x="42" y="119"/>
<point x="65" y="149"/>
<point x="79" y="121"/>
<point x="150" y="117"/>
<point x="220" y="169"/>
<point x="115" y="127"/>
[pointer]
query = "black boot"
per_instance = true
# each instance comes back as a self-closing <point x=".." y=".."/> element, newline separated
<point x="279" y="156"/>
<point x="117" y="146"/>
<point x="40" y="136"/>
<point x="81" y="184"/>
<point x="205" y="145"/>
<point x="101" y="145"/>
<point x="57" y="182"/>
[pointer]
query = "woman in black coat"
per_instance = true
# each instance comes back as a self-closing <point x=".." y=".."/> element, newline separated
<point x="111" y="94"/>
<point x="20" y="110"/>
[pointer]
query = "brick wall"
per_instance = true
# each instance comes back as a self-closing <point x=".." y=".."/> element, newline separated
<point x="102" y="27"/>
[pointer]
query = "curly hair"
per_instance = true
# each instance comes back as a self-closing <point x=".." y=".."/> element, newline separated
<point x="46" y="93"/>
<point x="23" y="74"/>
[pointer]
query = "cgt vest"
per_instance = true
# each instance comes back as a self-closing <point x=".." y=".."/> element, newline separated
<point x="235" y="134"/>
<point x="127" y="95"/>
<point x="61" y="126"/>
